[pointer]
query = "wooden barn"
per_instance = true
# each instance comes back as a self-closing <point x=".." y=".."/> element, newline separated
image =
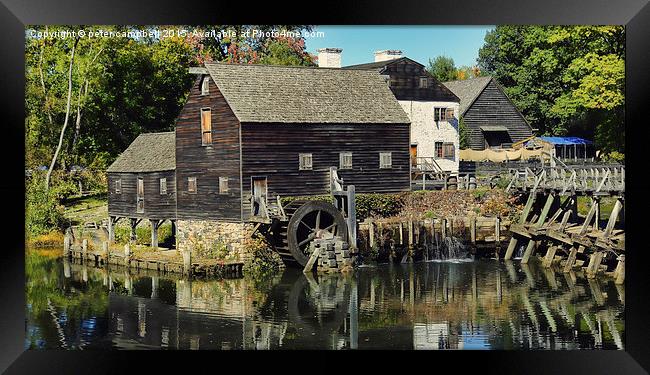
<point x="142" y="183"/>
<point x="252" y="133"/>
<point x="491" y="118"/>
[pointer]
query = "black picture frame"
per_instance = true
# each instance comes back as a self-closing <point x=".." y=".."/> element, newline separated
<point x="15" y="14"/>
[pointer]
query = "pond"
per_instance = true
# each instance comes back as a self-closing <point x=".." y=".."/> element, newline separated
<point x="483" y="304"/>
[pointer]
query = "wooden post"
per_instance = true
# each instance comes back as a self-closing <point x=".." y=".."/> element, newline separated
<point x="619" y="274"/>
<point x="597" y="213"/>
<point x="84" y="249"/>
<point x="530" y="249"/>
<point x="594" y="263"/>
<point x="134" y="224"/>
<point x="497" y="232"/>
<point x="312" y="259"/>
<point x="187" y="262"/>
<point x="545" y="210"/>
<point x="105" y="251"/>
<point x="66" y="245"/>
<point x="410" y="233"/>
<point x="127" y="254"/>
<point x="111" y="229"/>
<point x="527" y="207"/>
<point x="472" y="229"/>
<point x="612" y="218"/>
<point x="401" y="233"/>
<point x="550" y="255"/>
<point x="568" y="266"/>
<point x="443" y="228"/>
<point x="512" y="245"/>
<point x="154" y="232"/>
<point x="352" y="217"/>
<point x="371" y="234"/>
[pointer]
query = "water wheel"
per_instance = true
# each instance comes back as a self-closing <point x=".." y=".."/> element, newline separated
<point x="307" y="220"/>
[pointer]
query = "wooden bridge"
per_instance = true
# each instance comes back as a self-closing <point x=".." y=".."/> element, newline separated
<point x="554" y="226"/>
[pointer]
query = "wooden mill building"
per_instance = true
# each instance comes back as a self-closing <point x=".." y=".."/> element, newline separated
<point x="264" y="131"/>
<point x="491" y="118"/>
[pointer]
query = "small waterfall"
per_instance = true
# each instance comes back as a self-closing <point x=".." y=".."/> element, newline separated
<point x="520" y="251"/>
<point x="450" y="249"/>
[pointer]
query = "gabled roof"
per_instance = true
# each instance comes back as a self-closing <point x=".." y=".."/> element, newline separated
<point x="379" y="64"/>
<point x="468" y="90"/>
<point x="149" y="152"/>
<point x="292" y="94"/>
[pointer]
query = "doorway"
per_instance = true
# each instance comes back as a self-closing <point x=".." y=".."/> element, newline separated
<point x="140" y="196"/>
<point x="259" y="186"/>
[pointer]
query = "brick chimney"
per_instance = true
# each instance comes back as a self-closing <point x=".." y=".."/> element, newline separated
<point x="329" y="57"/>
<point x="387" y="54"/>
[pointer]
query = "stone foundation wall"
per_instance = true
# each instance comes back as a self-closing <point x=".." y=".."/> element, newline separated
<point x="213" y="239"/>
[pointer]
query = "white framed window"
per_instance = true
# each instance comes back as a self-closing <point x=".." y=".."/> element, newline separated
<point x="191" y="185"/>
<point x="424" y="82"/>
<point x="223" y="185"/>
<point x="118" y="186"/>
<point x="438" y="150"/>
<point x="385" y="160"/>
<point x="345" y="160"/>
<point x="305" y="162"/>
<point x="163" y="186"/>
<point x="205" y="86"/>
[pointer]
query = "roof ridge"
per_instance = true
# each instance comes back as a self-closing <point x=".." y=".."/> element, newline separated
<point x="274" y="66"/>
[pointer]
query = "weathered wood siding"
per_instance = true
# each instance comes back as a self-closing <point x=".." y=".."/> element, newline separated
<point x="405" y="83"/>
<point x="208" y="163"/>
<point x="493" y="107"/>
<point x="272" y="150"/>
<point x="156" y="205"/>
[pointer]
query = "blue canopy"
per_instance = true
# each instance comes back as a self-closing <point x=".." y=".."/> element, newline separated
<point x="566" y="140"/>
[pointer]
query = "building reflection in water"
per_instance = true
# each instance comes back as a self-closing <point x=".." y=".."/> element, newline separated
<point x="477" y="305"/>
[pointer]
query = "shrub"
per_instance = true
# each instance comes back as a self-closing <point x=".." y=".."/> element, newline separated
<point x="43" y="211"/>
<point x="263" y="260"/>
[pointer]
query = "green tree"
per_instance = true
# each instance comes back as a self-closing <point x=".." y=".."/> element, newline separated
<point x="442" y="68"/>
<point x="463" y="134"/>
<point x="564" y="79"/>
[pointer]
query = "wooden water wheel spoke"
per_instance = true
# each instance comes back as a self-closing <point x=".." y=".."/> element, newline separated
<point x="309" y="220"/>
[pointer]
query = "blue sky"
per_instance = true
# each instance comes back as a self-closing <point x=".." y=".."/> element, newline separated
<point x="419" y="43"/>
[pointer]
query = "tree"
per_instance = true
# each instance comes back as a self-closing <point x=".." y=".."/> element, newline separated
<point x="564" y="79"/>
<point x="442" y="68"/>
<point x="463" y="134"/>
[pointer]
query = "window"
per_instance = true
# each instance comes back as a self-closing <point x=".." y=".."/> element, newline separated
<point x="140" y="195"/>
<point x="345" y="160"/>
<point x="305" y="162"/>
<point x="191" y="185"/>
<point x="163" y="186"/>
<point x="438" y="150"/>
<point x="385" y="160"/>
<point x="118" y="186"/>
<point x="440" y="114"/>
<point x="424" y="82"/>
<point x="223" y="185"/>
<point x="205" y="86"/>
<point x="449" y="113"/>
<point x="448" y="151"/>
<point x="206" y="126"/>
<point x="445" y="150"/>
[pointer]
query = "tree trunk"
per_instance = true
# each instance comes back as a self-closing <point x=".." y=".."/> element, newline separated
<point x="67" y="116"/>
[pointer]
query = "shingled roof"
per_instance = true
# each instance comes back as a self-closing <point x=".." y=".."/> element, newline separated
<point x="290" y="94"/>
<point x="149" y="152"/>
<point x="378" y="65"/>
<point x="468" y="90"/>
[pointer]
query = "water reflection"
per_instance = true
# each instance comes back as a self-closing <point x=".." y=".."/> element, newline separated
<point x="477" y="305"/>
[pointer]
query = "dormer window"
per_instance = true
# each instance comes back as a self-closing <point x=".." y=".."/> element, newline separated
<point x="205" y="86"/>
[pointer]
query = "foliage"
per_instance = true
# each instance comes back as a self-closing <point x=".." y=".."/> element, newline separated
<point x="263" y="261"/>
<point x="43" y="211"/>
<point x="614" y="156"/>
<point x="564" y="79"/>
<point x="143" y="234"/>
<point x="442" y="68"/>
<point x="367" y="205"/>
<point x="463" y="134"/>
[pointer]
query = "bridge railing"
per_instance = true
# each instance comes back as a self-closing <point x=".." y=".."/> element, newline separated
<point x="596" y="179"/>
